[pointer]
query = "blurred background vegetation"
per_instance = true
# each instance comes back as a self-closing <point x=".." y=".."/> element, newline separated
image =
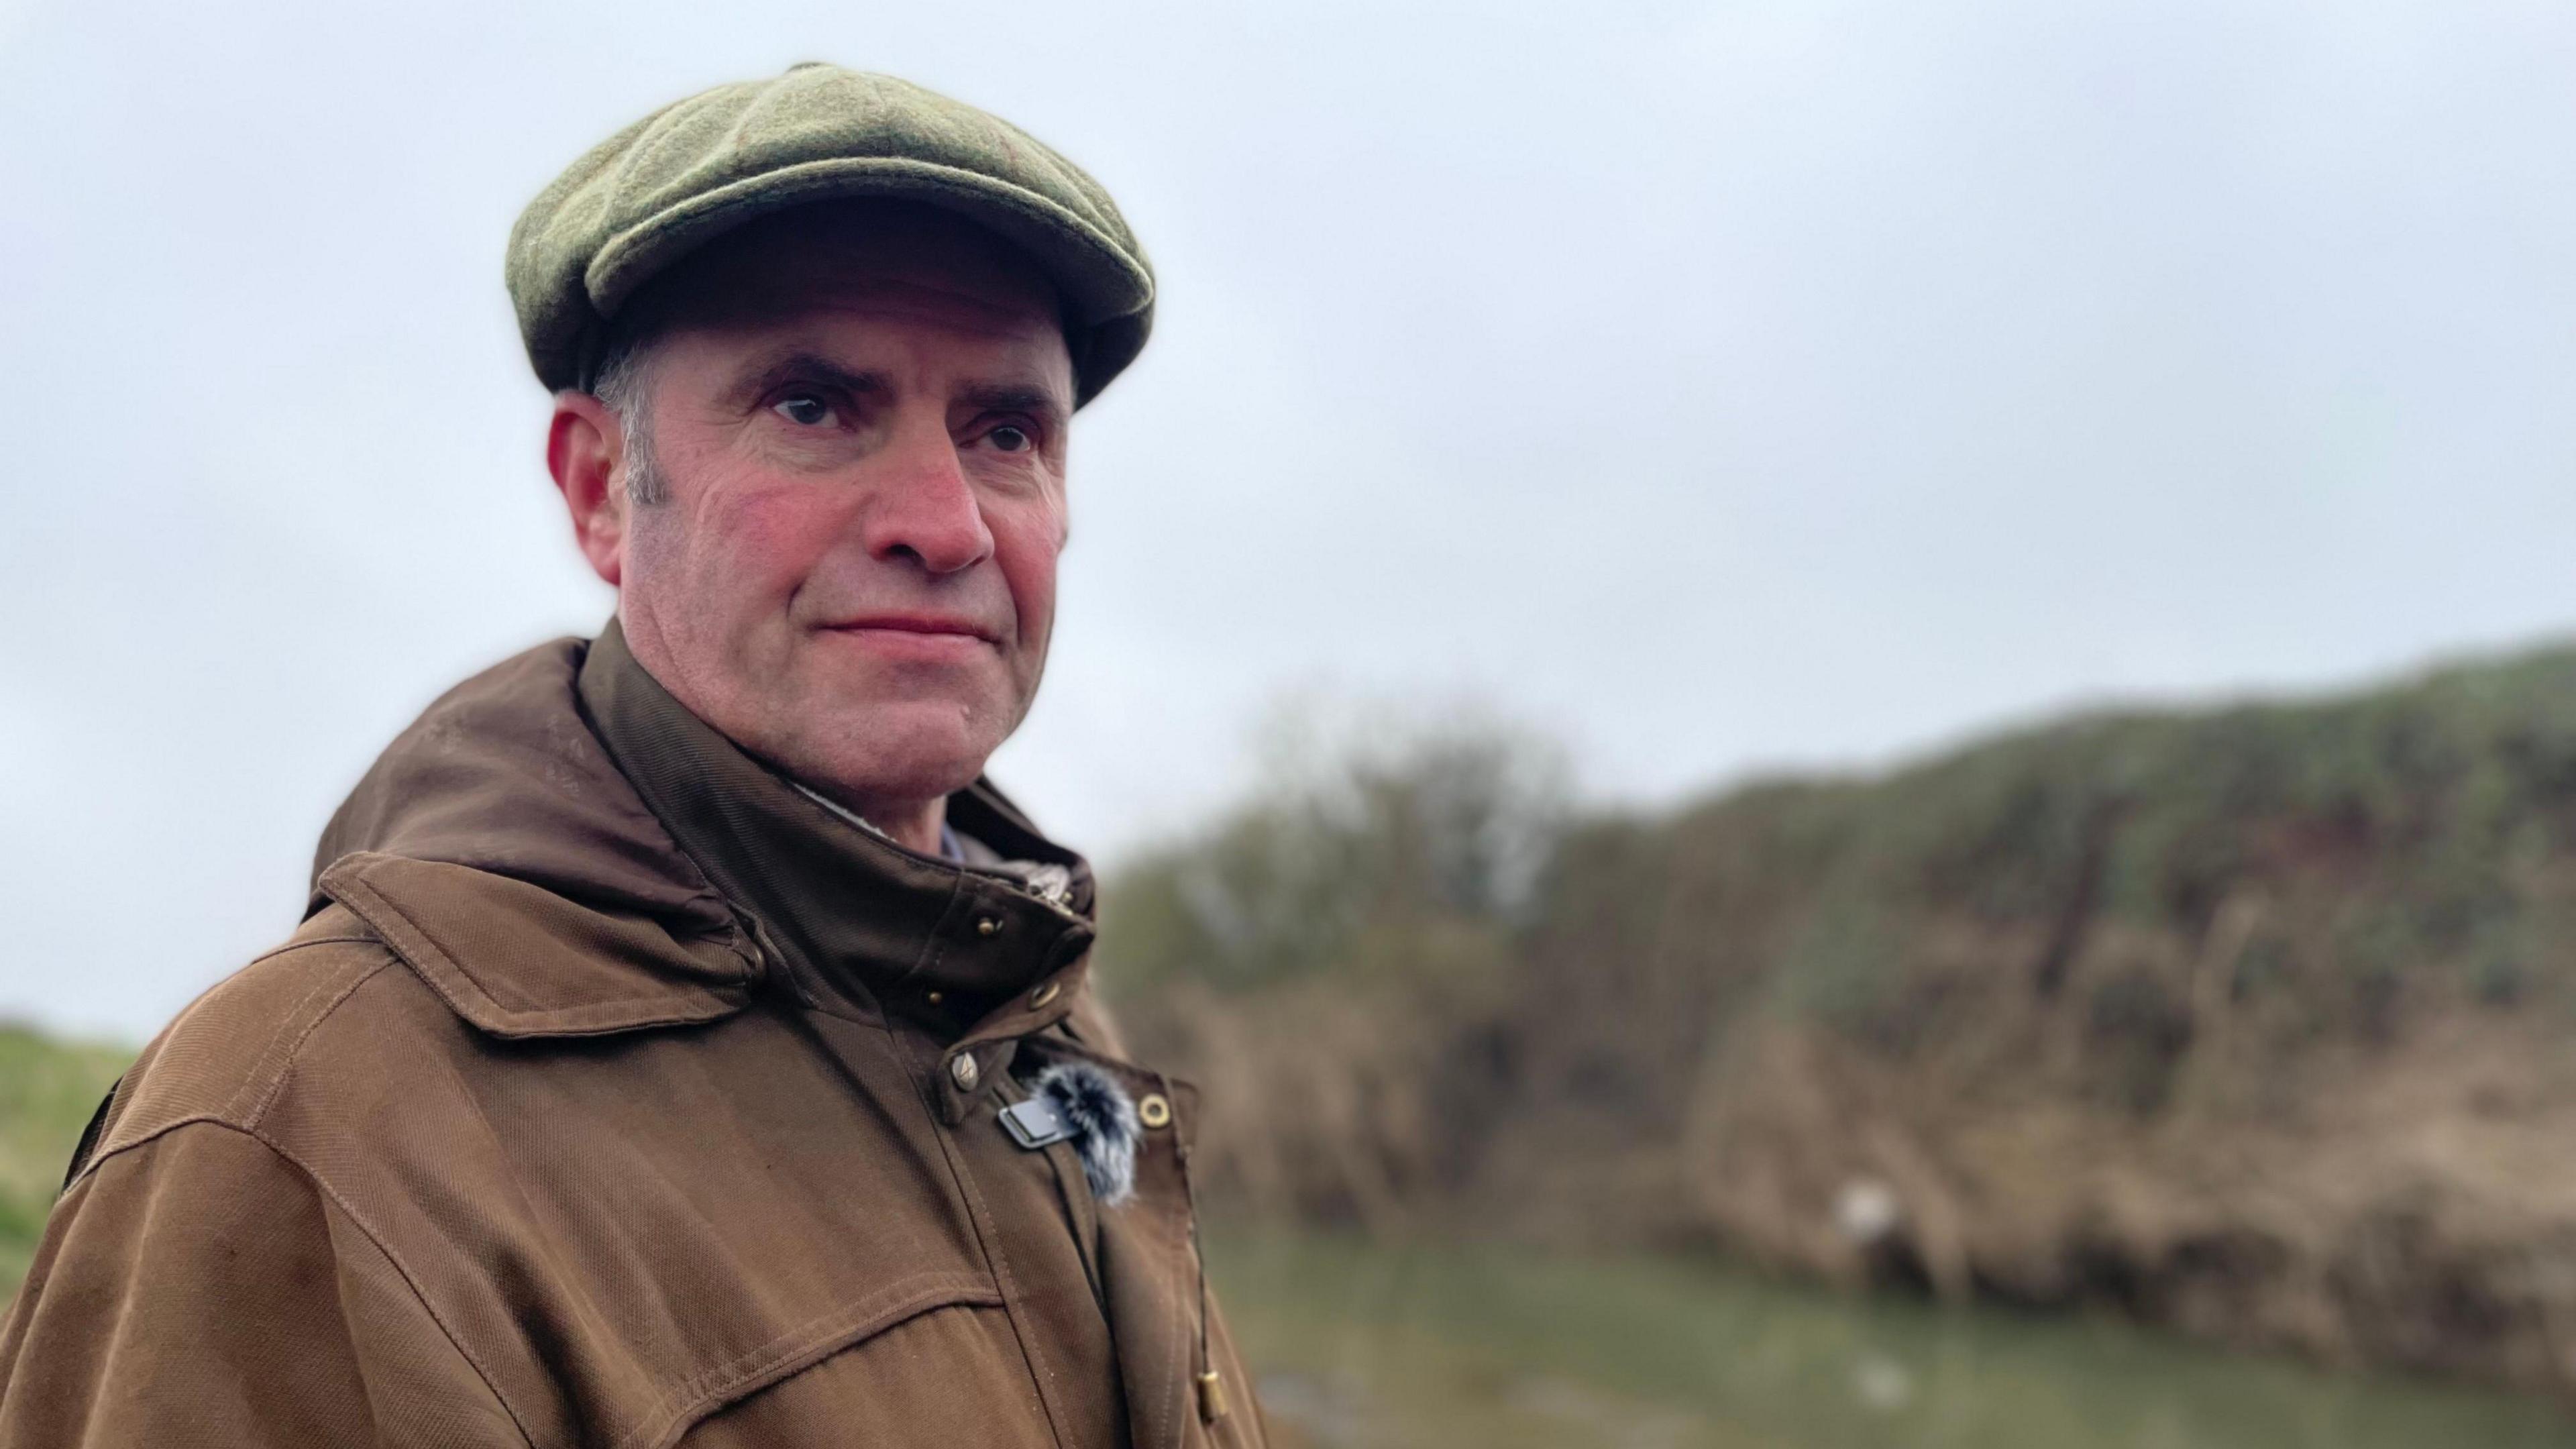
<point x="2250" y="1025"/>
<point x="2139" y="1079"/>
<point x="48" y="1089"/>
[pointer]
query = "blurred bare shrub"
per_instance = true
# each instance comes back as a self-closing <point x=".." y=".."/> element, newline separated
<point x="1405" y="824"/>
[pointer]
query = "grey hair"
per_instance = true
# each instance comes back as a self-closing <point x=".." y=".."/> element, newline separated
<point x="625" y="383"/>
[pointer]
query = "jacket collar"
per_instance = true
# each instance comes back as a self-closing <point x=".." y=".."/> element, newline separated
<point x="560" y="849"/>
<point x="863" y="919"/>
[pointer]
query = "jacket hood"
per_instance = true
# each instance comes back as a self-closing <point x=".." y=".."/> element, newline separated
<point x="496" y="848"/>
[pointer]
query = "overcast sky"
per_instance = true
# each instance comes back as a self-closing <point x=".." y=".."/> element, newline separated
<point x="1720" y="387"/>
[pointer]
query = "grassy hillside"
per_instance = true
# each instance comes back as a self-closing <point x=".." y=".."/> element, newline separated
<point x="2260" y="1021"/>
<point x="48" y="1089"/>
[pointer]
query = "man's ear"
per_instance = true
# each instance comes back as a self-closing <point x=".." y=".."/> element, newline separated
<point x="585" y="444"/>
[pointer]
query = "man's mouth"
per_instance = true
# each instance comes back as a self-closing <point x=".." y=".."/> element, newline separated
<point x="917" y="635"/>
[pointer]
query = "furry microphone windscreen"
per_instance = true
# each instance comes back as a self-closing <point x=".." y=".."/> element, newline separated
<point x="1105" y="1129"/>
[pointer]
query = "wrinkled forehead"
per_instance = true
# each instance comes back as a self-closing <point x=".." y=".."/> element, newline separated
<point x="865" y="256"/>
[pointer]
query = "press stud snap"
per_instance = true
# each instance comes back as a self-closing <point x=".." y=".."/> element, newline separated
<point x="934" y="997"/>
<point x="1042" y="995"/>
<point x="1155" y="1110"/>
<point x="989" y="926"/>
<point x="963" y="1071"/>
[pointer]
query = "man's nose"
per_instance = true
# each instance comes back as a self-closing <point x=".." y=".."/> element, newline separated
<point x="926" y="511"/>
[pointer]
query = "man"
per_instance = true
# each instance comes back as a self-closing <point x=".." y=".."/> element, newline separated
<point x="684" y="1044"/>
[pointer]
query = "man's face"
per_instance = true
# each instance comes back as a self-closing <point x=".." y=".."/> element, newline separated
<point x="858" y="419"/>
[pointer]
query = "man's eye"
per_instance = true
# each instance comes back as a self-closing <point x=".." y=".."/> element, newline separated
<point x="1010" y="439"/>
<point x="804" y="409"/>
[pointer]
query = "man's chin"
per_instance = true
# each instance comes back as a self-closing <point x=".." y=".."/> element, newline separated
<point x="900" y="752"/>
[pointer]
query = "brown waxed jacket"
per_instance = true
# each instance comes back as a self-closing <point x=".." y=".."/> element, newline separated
<point x="613" y="1094"/>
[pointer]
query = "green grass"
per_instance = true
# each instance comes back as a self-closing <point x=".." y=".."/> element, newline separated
<point x="1359" y="1345"/>
<point x="48" y="1089"/>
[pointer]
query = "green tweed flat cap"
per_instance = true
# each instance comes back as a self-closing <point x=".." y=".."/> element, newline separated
<point x="698" y="168"/>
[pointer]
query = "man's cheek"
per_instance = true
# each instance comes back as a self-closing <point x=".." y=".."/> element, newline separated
<point x="768" y="542"/>
<point x="1028" y="555"/>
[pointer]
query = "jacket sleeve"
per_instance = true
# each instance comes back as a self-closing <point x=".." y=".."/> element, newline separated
<point x="199" y="1288"/>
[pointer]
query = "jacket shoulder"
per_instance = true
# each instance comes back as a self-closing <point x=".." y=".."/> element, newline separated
<point x="202" y="1288"/>
<point x="227" y="1056"/>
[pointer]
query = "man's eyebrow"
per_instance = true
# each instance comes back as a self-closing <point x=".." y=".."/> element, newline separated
<point x="811" y="367"/>
<point x="1000" y="397"/>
